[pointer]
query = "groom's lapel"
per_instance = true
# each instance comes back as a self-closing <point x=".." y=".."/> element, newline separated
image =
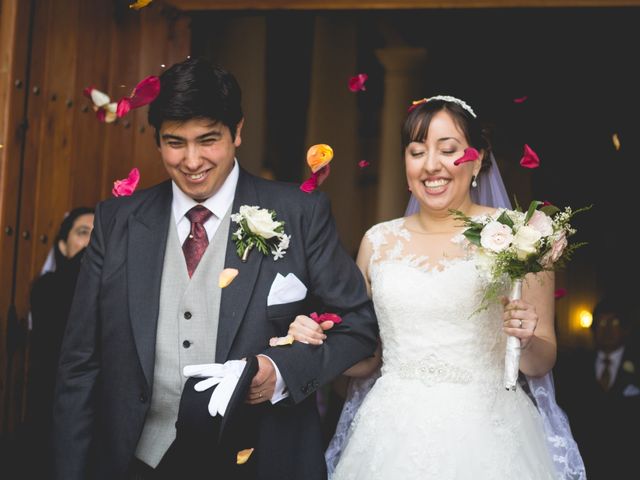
<point x="148" y="229"/>
<point x="236" y="296"/>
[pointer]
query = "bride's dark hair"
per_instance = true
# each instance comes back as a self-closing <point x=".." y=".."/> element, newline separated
<point x="416" y="126"/>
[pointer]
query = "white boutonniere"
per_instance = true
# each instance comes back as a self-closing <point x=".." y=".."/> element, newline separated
<point x="259" y="228"/>
<point x="628" y="366"/>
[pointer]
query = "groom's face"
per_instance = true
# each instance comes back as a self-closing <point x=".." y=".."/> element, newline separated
<point x="198" y="154"/>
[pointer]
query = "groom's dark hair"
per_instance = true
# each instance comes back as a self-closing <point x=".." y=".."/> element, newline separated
<point x="197" y="88"/>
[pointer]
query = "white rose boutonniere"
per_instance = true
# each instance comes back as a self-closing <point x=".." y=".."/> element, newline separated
<point x="259" y="228"/>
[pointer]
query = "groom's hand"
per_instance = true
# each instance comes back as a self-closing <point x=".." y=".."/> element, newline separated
<point x="264" y="383"/>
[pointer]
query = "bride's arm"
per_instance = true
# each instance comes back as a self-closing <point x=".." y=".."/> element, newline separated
<point x="304" y="329"/>
<point x="536" y="310"/>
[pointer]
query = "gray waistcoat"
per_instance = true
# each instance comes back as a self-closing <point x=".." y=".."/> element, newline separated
<point x="186" y="334"/>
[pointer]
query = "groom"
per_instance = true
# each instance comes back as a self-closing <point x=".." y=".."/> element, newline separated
<point x="148" y="301"/>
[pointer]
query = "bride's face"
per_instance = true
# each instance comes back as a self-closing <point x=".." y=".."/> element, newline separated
<point x="432" y="177"/>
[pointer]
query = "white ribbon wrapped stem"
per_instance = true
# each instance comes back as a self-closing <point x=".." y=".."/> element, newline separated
<point x="225" y="375"/>
<point x="512" y="354"/>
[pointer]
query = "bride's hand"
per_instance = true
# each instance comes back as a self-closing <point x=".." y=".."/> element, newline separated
<point x="306" y="330"/>
<point x="520" y="320"/>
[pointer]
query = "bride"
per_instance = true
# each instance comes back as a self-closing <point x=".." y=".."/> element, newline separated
<point x="439" y="409"/>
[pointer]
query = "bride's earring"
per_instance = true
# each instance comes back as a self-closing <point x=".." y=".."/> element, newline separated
<point x="474" y="184"/>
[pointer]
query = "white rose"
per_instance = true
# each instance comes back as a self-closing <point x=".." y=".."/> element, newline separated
<point x="541" y="222"/>
<point x="525" y="241"/>
<point x="260" y="222"/>
<point x="495" y="236"/>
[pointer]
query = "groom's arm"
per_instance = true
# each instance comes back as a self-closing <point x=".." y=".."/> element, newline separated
<point x="336" y="280"/>
<point x="79" y="367"/>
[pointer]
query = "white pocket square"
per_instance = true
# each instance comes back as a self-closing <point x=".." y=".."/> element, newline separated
<point x="631" y="391"/>
<point x="286" y="290"/>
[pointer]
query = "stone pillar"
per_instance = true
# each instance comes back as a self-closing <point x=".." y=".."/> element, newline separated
<point x="333" y="119"/>
<point x="403" y="83"/>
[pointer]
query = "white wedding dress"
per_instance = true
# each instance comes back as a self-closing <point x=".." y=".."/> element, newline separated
<point x="439" y="409"/>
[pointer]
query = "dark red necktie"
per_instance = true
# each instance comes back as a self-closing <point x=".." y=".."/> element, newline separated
<point x="197" y="241"/>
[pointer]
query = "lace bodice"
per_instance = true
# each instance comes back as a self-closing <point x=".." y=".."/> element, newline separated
<point x="427" y="310"/>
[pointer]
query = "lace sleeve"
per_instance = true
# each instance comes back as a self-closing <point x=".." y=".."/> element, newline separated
<point x="356" y="391"/>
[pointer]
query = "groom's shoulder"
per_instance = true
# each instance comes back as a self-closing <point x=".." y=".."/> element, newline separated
<point x="289" y="194"/>
<point x="125" y="205"/>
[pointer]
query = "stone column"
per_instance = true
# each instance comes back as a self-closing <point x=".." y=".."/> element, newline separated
<point x="403" y="83"/>
<point x="333" y="119"/>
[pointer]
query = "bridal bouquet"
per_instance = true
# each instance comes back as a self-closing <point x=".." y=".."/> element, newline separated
<point x="513" y="243"/>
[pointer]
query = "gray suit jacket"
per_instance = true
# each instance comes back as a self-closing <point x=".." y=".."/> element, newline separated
<point x="106" y="367"/>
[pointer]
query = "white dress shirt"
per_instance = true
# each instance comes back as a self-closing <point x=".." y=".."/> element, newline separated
<point x="615" y="358"/>
<point x="218" y="204"/>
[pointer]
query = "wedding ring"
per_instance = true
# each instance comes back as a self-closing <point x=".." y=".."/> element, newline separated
<point x="520" y="326"/>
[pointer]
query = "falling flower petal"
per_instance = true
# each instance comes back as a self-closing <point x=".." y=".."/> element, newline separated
<point x="470" y="155"/>
<point x="363" y="163"/>
<point x="529" y="158"/>
<point x="520" y="100"/>
<point x="140" y="4"/>
<point x="280" y="341"/>
<point x="315" y="180"/>
<point x="243" y="456"/>
<point x="416" y="103"/>
<point x="144" y="93"/>
<point x="102" y="105"/>
<point x="125" y="187"/>
<point x="559" y="293"/>
<point x="326" y="317"/>
<point x="616" y="141"/>
<point x="226" y="277"/>
<point x="318" y="156"/>
<point x="356" y="84"/>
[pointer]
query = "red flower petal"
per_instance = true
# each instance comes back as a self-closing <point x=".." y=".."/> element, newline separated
<point x="87" y="91"/>
<point x="529" y="158"/>
<point x="520" y="100"/>
<point x="356" y="84"/>
<point x="559" y="293"/>
<point x="101" y="114"/>
<point x="144" y="93"/>
<point x="363" y="163"/>
<point x="310" y="184"/>
<point x="125" y="187"/>
<point x="326" y="317"/>
<point x="470" y="155"/>
<point x="124" y="105"/>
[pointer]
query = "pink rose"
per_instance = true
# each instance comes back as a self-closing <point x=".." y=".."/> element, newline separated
<point x="541" y="222"/>
<point x="496" y="236"/>
<point x="555" y="252"/>
<point x="125" y="187"/>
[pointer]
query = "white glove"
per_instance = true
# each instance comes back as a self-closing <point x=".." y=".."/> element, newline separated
<point x="225" y="374"/>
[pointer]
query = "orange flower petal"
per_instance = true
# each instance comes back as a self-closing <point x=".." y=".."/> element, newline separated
<point x="281" y="341"/>
<point x="226" y="277"/>
<point x="616" y="141"/>
<point x="243" y="456"/>
<point x="138" y="4"/>
<point x="318" y="156"/>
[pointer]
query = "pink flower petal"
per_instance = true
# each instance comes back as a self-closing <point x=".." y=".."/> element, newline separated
<point x="356" y="84"/>
<point x="326" y="317"/>
<point x="363" y="163"/>
<point x="529" y="158"/>
<point x="520" y="100"/>
<point x="310" y="184"/>
<point x="125" y="187"/>
<point x="281" y="341"/>
<point x="124" y="105"/>
<point x="144" y="93"/>
<point x="470" y="155"/>
<point x="559" y="293"/>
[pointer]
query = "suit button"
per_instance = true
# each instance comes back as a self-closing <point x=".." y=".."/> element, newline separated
<point x="143" y="398"/>
<point x="186" y="344"/>
<point x="187" y="315"/>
